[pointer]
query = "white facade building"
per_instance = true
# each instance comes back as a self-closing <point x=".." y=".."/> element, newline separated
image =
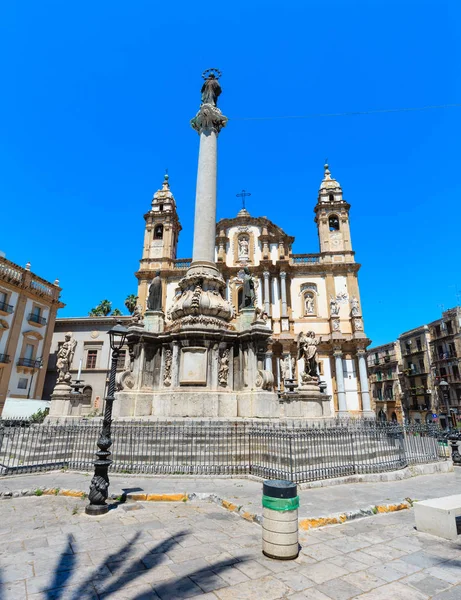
<point x="297" y="292"/>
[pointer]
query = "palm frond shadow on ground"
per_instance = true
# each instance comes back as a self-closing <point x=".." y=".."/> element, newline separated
<point x="178" y="588"/>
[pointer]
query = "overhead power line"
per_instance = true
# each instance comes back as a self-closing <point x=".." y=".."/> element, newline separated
<point x="347" y="114"/>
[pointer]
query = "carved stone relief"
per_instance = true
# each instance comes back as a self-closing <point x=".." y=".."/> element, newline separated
<point x="223" y="370"/>
<point x="167" y="367"/>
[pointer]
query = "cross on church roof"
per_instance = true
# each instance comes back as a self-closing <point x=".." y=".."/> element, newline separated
<point x="243" y="194"/>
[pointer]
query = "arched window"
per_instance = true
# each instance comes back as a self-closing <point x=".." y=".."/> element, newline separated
<point x="158" y="232"/>
<point x="333" y="223"/>
<point x="331" y="198"/>
<point x="382" y="416"/>
<point x="87" y="394"/>
<point x="394" y="417"/>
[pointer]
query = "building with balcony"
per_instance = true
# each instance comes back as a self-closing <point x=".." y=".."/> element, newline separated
<point x="28" y="308"/>
<point x="92" y="359"/>
<point x="419" y="395"/>
<point x="297" y="293"/>
<point x="445" y="347"/>
<point x="384" y="374"/>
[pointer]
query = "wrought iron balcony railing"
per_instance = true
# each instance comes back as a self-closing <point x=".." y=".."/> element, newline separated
<point x="37" y="319"/>
<point x="29" y="362"/>
<point x="8" y="308"/>
<point x="4" y="358"/>
<point x="299" y="259"/>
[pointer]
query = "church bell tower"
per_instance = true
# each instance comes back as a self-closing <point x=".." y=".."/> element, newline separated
<point x="160" y="239"/>
<point x="332" y="218"/>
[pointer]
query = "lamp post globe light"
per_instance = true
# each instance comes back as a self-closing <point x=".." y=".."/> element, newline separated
<point x="99" y="486"/>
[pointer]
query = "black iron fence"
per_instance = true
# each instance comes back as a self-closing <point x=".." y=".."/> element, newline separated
<point x="288" y="450"/>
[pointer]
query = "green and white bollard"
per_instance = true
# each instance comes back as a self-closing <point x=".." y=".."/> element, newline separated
<point x="280" y="519"/>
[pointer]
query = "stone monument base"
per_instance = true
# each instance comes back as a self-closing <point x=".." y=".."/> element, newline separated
<point x="67" y="405"/>
<point x="263" y="404"/>
<point x="197" y="402"/>
<point x="308" y="402"/>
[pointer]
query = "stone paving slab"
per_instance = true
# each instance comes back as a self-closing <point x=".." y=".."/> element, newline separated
<point x="353" y="499"/>
<point x="175" y="550"/>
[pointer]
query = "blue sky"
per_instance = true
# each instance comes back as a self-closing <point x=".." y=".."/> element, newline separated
<point x="96" y="102"/>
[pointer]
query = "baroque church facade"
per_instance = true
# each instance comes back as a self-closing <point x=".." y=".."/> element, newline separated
<point x="295" y="293"/>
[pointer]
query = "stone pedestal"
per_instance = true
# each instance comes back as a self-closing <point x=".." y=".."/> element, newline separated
<point x="67" y="405"/>
<point x="308" y="401"/>
<point x="154" y="321"/>
<point x="60" y="404"/>
<point x="305" y="405"/>
<point x="246" y="318"/>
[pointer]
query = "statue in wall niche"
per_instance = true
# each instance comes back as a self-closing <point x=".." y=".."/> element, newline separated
<point x="355" y="309"/>
<point x="211" y="88"/>
<point x="64" y="358"/>
<point x="358" y="325"/>
<point x="244" y="247"/>
<point x="334" y="306"/>
<point x="336" y="325"/>
<point x="154" y="301"/>
<point x="223" y="371"/>
<point x="248" y="294"/>
<point x="307" y="349"/>
<point x="309" y="305"/>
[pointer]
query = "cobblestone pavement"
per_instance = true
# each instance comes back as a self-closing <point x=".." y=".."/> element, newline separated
<point x="51" y="550"/>
<point x="247" y="493"/>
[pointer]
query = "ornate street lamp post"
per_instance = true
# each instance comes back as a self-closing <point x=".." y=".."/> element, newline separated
<point x="99" y="487"/>
<point x="445" y="389"/>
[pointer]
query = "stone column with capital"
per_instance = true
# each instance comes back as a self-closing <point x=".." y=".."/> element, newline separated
<point x="267" y="302"/>
<point x="341" y="390"/>
<point x="283" y="289"/>
<point x="366" y="403"/>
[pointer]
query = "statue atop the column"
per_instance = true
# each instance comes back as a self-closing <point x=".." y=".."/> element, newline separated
<point x="307" y="349"/>
<point x="248" y="294"/>
<point x="154" y="301"/>
<point x="211" y="88"/>
<point x="65" y="356"/>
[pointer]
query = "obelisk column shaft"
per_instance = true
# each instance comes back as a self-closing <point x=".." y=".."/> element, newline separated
<point x="205" y="199"/>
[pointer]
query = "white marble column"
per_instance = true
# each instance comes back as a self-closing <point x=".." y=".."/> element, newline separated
<point x="268" y="362"/>
<point x="267" y="302"/>
<point x="283" y="288"/>
<point x="277" y="363"/>
<point x="366" y="403"/>
<point x="341" y="391"/>
<point x="205" y="198"/>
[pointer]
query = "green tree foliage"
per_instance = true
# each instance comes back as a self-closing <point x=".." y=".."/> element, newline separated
<point x="131" y="302"/>
<point x="103" y="310"/>
<point x="105" y="306"/>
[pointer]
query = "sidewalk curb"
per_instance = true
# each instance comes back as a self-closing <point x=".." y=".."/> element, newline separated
<point x="304" y="524"/>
